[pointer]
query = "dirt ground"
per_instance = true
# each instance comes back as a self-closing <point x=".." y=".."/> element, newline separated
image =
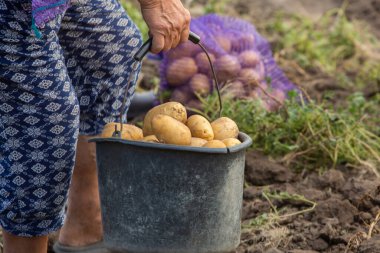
<point x="347" y="199"/>
<point x="367" y="11"/>
<point x="347" y="202"/>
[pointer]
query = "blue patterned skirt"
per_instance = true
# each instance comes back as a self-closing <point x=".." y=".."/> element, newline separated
<point x="69" y="82"/>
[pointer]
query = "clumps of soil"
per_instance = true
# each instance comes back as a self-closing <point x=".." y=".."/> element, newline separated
<point x="348" y="201"/>
<point x="368" y="11"/>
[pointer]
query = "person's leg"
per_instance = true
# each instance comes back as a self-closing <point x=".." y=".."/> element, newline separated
<point x="39" y="122"/>
<point x="83" y="220"/>
<point x="99" y="40"/>
<point x="17" y="244"/>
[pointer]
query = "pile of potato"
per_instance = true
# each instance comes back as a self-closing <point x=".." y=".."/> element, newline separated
<point x="243" y="62"/>
<point x="168" y="123"/>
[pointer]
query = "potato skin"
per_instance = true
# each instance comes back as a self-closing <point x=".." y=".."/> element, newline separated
<point x="227" y="67"/>
<point x="151" y="138"/>
<point x="180" y="71"/>
<point x="249" y="59"/>
<point x="200" y="127"/>
<point x="130" y="132"/>
<point x="230" y="142"/>
<point x="197" y="142"/>
<point x="172" y="109"/>
<point x="200" y="84"/>
<point x="170" y="131"/>
<point x="214" y="144"/>
<point x="224" y="128"/>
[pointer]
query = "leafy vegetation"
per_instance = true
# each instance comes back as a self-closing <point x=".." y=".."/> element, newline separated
<point x="276" y="214"/>
<point x="334" y="45"/>
<point x="304" y="134"/>
<point x="216" y="6"/>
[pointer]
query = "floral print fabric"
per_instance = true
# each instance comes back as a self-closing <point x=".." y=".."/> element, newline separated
<point x="70" y="82"/>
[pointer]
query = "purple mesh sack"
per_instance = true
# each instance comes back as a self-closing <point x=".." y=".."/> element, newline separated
<point x="242" y="58"/>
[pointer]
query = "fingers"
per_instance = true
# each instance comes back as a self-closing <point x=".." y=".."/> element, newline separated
<point x="158" y="43"/>
<point x="185" y="35"/>
<point x="168" y="43"/>
<point x="186" y="27"/>
<point x="169" y="26"/>
<point x="175" y="39"/>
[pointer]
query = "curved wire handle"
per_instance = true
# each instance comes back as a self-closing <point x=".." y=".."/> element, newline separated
<point x="140" y="54"/>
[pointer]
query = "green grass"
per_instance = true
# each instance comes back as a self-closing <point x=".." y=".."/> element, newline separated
<point x="307" y="135"/>
<point x="333" y="45"/>
<point x="216" y="6"/>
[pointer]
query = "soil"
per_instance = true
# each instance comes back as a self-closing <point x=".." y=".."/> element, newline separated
<point x="347" y="199"/>
<point x="347" y="202"/>
<point x="367" y="11"/>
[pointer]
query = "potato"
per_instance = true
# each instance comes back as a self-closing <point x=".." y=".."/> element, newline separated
<point x="227" y="67"/>
<point x="249" y="59"/>
<point x="230" y="142"/>
<point x="197" y="142"/>
<point x="151" y="138"/>
<point x="130" y="132"/>
<point x="250" y="76"/>
<point x="203" y="63"/>
<point x="214" y="144"/>
<point x="235" y="89"/>
<point x="224" y="43"/>
<point x="170" y="131"/>
<point x="182" y="94"/>
<point x="180" y="71"/>
<point x="224" y="128"/>
<point x="187" y="49"/>
<point x="200" y="84"/>
<point x="244" y="41"/>
<point x="172" y="109"/>
<point x="277" y="101"/>
<point x="200" y="127"/>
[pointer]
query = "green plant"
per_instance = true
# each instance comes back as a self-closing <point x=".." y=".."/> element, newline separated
<point x="216" y="6"/>
<point x="306" y="135"/>
<point x="336" y="46"/>
<point x="275" y="215"/>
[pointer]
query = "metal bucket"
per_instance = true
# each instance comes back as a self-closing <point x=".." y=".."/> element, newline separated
<point x="158" y="198"/>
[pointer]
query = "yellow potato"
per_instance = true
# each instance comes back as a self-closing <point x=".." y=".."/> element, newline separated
<point x="151" y="138"/>
<point x="230" y="142"/>
<point x="172" y="109"/>
<point x="170" y="131"/>
<point x="130" y="132"/>
<point x="224" y="128"/>
<point x="214" y="144"/>
<point x="197" y="142"/>
<point x="200" y="127"/>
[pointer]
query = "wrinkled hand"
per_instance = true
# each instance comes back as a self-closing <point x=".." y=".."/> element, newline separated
<point x="168" y="22"/>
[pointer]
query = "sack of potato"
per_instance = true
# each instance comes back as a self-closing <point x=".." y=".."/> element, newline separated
<point x="242" y="58"/>
<point x="168" y="123"/>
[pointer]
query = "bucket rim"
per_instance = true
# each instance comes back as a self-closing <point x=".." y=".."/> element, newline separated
<point x="244" y="138"/>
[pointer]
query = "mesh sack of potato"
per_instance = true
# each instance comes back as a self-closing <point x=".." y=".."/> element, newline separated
<point x="242" y="58"/>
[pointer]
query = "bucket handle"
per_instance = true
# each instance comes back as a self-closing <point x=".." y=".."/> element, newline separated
<point x="138" y="57"/>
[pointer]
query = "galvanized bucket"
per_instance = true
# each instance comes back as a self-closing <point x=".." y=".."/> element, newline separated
<point x="159" y="198"/>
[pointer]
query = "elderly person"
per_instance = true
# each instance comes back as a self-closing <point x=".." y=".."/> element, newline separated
<point x="63" y="71"/>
